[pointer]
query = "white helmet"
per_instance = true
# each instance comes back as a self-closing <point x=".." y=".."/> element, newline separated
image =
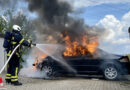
<point x="17" y="28"/>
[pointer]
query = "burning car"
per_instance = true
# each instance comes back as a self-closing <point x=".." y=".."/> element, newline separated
<point x="111" y="68"/>
<point x="83" y="57"/>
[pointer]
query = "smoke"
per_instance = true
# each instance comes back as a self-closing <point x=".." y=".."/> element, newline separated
<point x="53" y="15"/>
<point x="28" y="70"/>
<point x="54" y="18"/>
<point x="50" y="11"/>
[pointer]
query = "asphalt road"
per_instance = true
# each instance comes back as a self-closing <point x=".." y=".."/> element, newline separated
<point x="69" y="83"/>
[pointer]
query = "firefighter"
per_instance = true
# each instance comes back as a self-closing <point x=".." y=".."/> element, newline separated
<point x="13" y="65"/>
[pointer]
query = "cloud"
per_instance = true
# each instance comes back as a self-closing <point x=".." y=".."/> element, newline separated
<point x="121" y="41"/>
<point x="112" y="26"/>
<point x="128" y="47"/>
<point x="86" y="3"/>
<point x="115" y="38"/>
<point x="126" y="20"/>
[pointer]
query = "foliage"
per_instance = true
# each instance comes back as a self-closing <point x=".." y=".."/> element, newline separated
<point x="3" y="24"/>
<point x="20" y="19"/>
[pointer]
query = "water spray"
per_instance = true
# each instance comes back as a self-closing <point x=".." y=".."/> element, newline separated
<point x="55" y="51"/>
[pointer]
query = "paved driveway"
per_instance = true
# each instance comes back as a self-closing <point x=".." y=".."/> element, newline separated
<point x="67" y="83"/>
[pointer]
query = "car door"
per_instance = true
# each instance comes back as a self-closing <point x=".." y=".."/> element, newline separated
<point x="85" y="65"/>
<point x="92" y="65"/>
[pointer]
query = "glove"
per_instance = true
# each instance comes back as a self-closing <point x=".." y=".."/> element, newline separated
<point x="31" y="45"/>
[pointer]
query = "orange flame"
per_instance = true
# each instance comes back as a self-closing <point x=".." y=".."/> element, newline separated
<point x="76" y="47"/>
<point x="38" y="60"/>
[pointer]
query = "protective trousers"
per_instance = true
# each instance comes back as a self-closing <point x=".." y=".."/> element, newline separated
<point x="12" y="69"/>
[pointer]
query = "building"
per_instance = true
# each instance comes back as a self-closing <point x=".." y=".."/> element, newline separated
<point x="2" y="54"/>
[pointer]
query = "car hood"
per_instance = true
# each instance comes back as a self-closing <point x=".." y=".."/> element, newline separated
<point x="105" y="55"/>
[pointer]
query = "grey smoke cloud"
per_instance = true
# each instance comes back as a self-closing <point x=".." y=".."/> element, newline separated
<point x="51" y="11"/>
<point x="54" y="18"/>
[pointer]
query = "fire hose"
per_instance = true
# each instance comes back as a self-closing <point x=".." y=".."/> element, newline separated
<point x="9" y="58"/>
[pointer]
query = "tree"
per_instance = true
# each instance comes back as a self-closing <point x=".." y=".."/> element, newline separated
<point x="20" y="19"/>
<point x="3" y="24"/>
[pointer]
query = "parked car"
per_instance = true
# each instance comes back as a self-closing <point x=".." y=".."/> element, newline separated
<point x="110" y="66"/>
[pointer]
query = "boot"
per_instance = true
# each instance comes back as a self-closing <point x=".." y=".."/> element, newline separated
<point x="16" y="83"/>
<point x="8" y="81"/>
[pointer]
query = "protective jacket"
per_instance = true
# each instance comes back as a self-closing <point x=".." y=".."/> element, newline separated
<point x="16" y="38"/>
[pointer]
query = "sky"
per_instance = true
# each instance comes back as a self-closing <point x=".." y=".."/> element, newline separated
<point x="112" y="15"/>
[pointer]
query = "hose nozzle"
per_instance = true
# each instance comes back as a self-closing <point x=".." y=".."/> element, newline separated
<point x="34" y="44"/>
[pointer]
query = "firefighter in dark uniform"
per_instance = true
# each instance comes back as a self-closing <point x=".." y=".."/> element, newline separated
<point x="13" y="65"/>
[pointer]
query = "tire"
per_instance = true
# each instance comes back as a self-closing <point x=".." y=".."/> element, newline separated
<point x="48" y="71"/>
<point x="110" y="72"/>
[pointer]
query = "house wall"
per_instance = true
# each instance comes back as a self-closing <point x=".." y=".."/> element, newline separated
<point x="2" y="56"/>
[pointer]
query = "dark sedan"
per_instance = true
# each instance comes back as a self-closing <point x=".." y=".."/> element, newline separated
<point x="110" y="66"/>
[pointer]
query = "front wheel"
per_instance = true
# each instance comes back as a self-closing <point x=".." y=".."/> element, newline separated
<point x="48" y="71"/>
<point x="110" y="72"/>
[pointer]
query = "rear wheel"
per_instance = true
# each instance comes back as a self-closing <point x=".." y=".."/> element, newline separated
<point x="110" y="72"/>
